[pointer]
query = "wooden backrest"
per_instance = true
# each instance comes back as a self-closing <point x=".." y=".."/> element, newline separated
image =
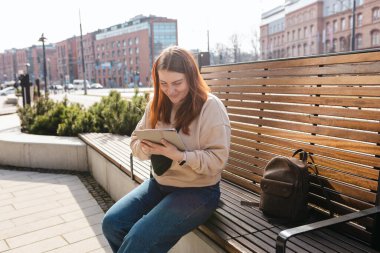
<point x="327" y="105"/>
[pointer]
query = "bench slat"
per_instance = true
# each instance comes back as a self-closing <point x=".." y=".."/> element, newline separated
<point x="305" y="61"/>
<point x="302" y="99"/>
<point x="313" y="110"/>
<point x="310" y="119"/>
<point x="338" y="69"/>
<point x="334" y="81"/>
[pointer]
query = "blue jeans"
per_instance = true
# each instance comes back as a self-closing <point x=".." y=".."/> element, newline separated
<point x="153" y="217"/>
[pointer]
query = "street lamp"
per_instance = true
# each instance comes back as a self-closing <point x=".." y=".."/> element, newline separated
<point x="353" y="25"/>
<point x="42" y="39"/>
<point x="27" y="68"/>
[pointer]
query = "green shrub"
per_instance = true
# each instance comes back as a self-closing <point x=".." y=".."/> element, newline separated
<point x="112" y="114"/>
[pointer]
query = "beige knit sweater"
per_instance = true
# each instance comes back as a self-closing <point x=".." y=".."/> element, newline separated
<point x="207" y="147"/>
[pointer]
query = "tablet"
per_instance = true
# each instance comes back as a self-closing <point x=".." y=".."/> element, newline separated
<point x="155" y="135"/>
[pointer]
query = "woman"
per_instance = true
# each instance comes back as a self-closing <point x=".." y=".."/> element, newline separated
<point x="155" y="215"/>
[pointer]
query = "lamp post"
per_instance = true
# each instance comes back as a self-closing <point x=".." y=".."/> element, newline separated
<point x="27" y="68"/>
<point x="353" y="25"/>
<point x="42" y="39"/>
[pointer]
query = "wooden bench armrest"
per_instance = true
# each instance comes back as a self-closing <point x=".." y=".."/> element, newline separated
<point x="285" y="235"/>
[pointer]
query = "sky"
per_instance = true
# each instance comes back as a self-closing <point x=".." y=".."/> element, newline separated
<point x="23" y="21"/>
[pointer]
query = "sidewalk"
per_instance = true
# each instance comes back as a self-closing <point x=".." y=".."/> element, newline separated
<point x="49" y="212"/>
<point x="6" y="108"/>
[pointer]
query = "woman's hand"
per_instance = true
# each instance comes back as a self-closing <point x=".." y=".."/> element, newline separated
<point x="165" y="148"/>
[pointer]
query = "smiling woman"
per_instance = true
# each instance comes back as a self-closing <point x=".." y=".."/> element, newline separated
<point x="184" y="189"/>
<point x="173" y="85"/>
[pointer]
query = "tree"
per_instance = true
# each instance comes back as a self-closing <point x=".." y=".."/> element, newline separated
<point x="221" y="54"/>
<point x="255" y="42"/>
<point x="236" y="45"/>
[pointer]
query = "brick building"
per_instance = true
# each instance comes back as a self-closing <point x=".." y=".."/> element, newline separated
<point x="9" y="67"/>
<point x="36" y="61"/>
<point x="125" y="52"/>
<point x="67" y="60"/>
<point x="89" y="56"/>
<point x="2" y="69"/>
<point x="115" y="56"/>
<point x="307" y="27"/>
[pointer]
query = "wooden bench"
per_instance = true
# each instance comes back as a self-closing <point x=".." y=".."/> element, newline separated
<point x="327" y="105"/>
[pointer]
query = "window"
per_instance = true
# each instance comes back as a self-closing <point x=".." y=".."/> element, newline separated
<point x="311" y="29"/>
<point x="328" y="28"/>
<point x="312" y="48"/>
<point x="130" y="42"/>
<point x="335" y="45"/>
<point x="288" y="36"/>
<point x="342" y="44"/>
<point x="343" y="24"/>
<point x="376" y="14"/>
<point x="335" y="26"/>
<point x="293" y="35"/>
<point x="360" y="19"/>
<point x="375" y="38"/>
<point x="299" y="33"/>
<point x="304" y="49"/>
<point x="350" y="18"/>
<point x="137" y="40"/>
<point x="305" y="32"/>
<point x="359" y="41"/>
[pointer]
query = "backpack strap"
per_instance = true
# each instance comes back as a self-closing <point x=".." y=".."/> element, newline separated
<point x="313" y="166"/>
<point x="303" y="154"/>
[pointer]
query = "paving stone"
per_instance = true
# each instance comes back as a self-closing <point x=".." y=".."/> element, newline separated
<point x="87" y="245"/>
<point x="85" y="233"/>
<point x="42" y="246"/>
<point x="27" y="228"/>
<point x="51" y="211"/>
<point x="3" y="246"/>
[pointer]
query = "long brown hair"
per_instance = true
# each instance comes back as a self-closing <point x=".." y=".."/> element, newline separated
<point x="178" y="60"/>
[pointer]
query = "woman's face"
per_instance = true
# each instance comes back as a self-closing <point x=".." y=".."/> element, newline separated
<point x="173" y="85"/>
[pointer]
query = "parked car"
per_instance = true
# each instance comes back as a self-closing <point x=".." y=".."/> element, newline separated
<point x="79" y="84"/>
<point x="7" y="91"/>
<point x="58" y="87"/>
<point x="69" y="86"/>
<point x="96" y="86"/>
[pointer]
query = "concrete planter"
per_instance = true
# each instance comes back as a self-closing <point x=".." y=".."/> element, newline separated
<point x="40" y="151"/>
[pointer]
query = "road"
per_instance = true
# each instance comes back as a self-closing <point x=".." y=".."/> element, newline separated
<point x="93" y="95"/>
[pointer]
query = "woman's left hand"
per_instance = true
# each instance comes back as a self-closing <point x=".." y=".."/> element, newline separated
<point x="165" y="148"/>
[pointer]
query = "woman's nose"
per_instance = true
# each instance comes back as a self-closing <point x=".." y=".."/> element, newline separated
<point x="171" y="90"/>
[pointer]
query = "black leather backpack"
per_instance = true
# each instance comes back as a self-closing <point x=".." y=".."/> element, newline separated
<point x="285" y="187"/>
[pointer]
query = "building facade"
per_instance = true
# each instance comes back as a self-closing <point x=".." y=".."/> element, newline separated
<point x="89" y="56"/>
<point x="67" y="60"/>
<point x="308" y="27"/>
<point x="124" y="53"/>
<point x="10" y="65"/>
<point x="118" y="56"/>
